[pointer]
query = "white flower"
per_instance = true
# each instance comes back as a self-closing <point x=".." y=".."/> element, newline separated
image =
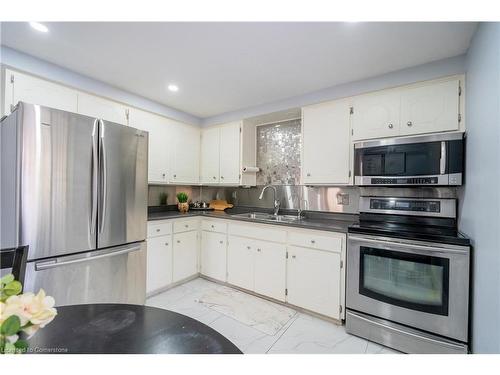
<point x="30" y="308"/>
<point x="12" y="339"/>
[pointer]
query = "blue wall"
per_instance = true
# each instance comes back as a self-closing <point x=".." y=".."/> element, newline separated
<point x="30" y="64"/>
<point x="480" y="203"/>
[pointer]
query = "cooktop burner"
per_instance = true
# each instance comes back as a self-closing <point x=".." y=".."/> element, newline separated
<point x="424" y="219"/>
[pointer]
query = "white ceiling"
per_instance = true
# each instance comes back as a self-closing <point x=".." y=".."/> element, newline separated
<point x="222" y="67"/>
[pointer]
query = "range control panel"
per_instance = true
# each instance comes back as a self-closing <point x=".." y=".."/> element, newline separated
<point x="405" y="205"/>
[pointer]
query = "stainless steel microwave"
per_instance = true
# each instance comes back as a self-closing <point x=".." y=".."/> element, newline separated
<point x="436" y="159"/>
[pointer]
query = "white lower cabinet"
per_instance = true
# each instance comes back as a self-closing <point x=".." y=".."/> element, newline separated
<point x="185" y="255"/>
<point x="213" y="255"/>
<point x="270" y="269"/>
<point x="314" y="280"/>
<point x="240" y="262"/>
<point x="159" y="263"/>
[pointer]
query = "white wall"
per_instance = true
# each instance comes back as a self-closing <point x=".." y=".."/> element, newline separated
<point x="480" y="203"/>
<point x="432" y="70"/>
<point x="21" y="61"/>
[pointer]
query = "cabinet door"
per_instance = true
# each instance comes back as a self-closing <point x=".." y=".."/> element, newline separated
<point x="376" y="115"/>
<point x="270" y="269"/>
<point x="240" y="262"/>
<point x="314" y="280"/>
<point x="159" y="149"/>
<point x="432" y="108"/>
<point x="213" y="255"/>
<point x="185" y="258"/>
<point x="230" y="154"/>
<point x="186" y="158"/>
<point x="159" y="263"/>
<point x="326" y="143"/>
<point x="33" y="90"/>
<point x="96" y="106"/>
<point x="209" y="163"/>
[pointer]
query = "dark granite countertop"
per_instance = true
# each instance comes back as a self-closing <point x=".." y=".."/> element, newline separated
<point x="334" y="222"/>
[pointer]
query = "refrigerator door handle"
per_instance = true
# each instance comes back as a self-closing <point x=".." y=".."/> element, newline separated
<point x="58" y="262"/>
<point x="103" y="175"/>
<point x="95" y="169"/>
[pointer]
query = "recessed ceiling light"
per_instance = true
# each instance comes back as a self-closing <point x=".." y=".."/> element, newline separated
<point x="39" y="27"/>
<point x="173" y="88"/>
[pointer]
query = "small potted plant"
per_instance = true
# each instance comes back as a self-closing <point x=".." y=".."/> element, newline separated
<point x="183" y="205"/>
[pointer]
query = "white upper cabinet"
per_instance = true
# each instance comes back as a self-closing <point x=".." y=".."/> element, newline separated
<point x="160" y="151"/>
<point x="209" y="163"/>
<point x="29" y="89"/>
<point x="429" y="109"/>
<point x="221" y="154"/>
<point x="186" y="156"/>
<point x="326" y="143"/>
<point x="376" y="115"/>
<point x="230" y="146"/>
<point x="105" y="109"/>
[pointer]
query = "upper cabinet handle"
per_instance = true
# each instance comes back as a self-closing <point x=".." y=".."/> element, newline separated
<point x="390" y="126"/>
<point x="409" y="123"/>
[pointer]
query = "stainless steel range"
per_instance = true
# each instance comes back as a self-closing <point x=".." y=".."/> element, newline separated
<point x="408" y="275"/>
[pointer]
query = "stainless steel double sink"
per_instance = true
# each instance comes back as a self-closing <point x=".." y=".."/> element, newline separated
<point x="268" y="217"/>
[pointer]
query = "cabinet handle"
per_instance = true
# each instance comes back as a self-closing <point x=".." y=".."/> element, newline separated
<point x="214" y="177"/>
<point x="178" y="241"/>
<point x="221" y="242"/>
<point x="175" y="175"/>
<point x="258" y="250"/>
<point x="390" y="126"/>
<point x="312" y="241"/>
<point x="308" y="175"/>
<point x="248" y="247"/>
<point x="293" y="256"/>
<point x="409" y="123"/>
<point x="166" y="243"/>
<point x="222" y="177"/>
<point x="186" y="225"/>
<point x="157" y="230"/>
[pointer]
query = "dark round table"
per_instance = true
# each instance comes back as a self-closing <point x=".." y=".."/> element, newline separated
<point x="122" y="328"/>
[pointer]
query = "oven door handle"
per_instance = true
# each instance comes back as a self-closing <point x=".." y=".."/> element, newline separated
<point x="428" y="249"/>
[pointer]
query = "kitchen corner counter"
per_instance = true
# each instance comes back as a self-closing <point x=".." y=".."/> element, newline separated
<point x="333" y="222"/>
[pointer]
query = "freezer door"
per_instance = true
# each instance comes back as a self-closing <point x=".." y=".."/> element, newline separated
<point x="114" y="275"/>
<point x="57" y="181"/>
<point x="123" y="186"/>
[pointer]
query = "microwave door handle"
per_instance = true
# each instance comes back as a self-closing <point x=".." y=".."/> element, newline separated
<point x="103" y="175"/>
<point x="44" y="265"/>
<point x="442" y="161"/>
<point x="94" y="172"/>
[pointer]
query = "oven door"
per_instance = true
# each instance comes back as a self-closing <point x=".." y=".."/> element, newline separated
<point x="415" y="283"/>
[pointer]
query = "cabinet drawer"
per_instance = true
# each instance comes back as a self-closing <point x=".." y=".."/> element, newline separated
<point x="185" y="225"/>
<point x="316" y="240"/>
<point x="214" y="226"/>
<point x="160" y="228"/>
<point x="261" y="232"/>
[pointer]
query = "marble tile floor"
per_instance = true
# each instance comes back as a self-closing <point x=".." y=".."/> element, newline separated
<point x="302" y="333"/>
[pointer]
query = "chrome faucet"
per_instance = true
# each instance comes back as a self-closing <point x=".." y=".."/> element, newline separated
<point x="276" y="202"/>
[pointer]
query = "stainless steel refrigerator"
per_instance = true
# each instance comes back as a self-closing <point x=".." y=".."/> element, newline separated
<point x="74" y="188"/>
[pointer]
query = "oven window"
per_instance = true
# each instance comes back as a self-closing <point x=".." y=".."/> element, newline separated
<point x="414" y="281"/>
